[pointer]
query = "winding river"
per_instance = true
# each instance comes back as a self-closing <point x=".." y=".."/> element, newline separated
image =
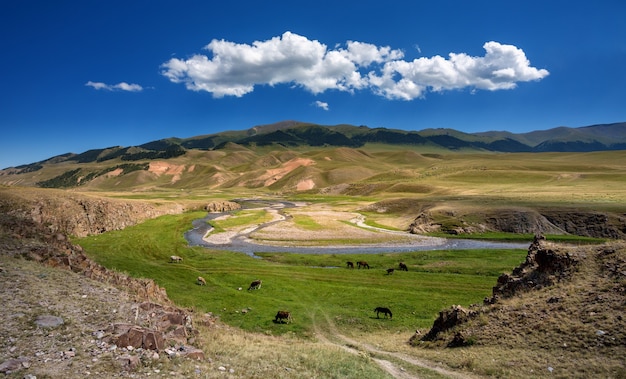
<point x="241" y="242"/>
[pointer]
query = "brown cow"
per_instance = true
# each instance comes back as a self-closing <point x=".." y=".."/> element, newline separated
<point x="255" y="285"/>
<point x="350" y="264"/>
<point x="403" y="266"/>
<point x="363" y="264"/>
<point x="283" y="315"/>
<point x="201" y="281"/>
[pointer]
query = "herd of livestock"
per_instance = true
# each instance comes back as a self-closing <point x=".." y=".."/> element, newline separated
<point x="285" y="316"/>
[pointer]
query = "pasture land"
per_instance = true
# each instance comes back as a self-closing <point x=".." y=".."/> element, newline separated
<point x="312" y="286"/>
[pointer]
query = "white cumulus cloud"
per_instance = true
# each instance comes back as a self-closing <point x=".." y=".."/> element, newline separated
<point x="122" y="86"/>
<point x="321" y="104"/>
<point x="233" y="69"/>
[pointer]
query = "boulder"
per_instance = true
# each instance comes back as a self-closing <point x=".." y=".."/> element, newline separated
<point x="129" y="362"/>
<point x="10" y="365"/>
<point x="48" y="321"/>
<point x="153" y="340"/>
<point x="132" y="337"/>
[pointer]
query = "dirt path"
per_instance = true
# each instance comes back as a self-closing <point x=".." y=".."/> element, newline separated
<point x="359" y="348"/>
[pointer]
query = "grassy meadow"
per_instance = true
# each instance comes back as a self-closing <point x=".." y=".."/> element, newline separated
<point x="314" y="287"/>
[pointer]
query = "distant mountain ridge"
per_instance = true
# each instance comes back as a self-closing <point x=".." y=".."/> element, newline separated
<point x="292" y="134"/>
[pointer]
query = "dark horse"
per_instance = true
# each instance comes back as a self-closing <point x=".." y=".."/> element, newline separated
<point x="255" y="285"/>
<point x="283" y="315"/>
<point x="363" y="264"/>
<point x="383" y="310"/>
<point x="403" y="266"/>
<point x="350" y="264"/>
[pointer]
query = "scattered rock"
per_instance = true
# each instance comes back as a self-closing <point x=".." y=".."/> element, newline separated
<point x="48" y="321"/>
<point x="69" y="354"/>
<point x="12" y="365"/>
<point x="191" y="353"/>
<point x="129" y="362"/>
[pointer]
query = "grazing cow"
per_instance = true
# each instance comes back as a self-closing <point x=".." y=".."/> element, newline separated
<point x="403" y="266"/>
<point x="350" y="264"/>
<point x="390" y="271"/>
<point x="200" y="281"/>
<point x="283" y="315"/>
<point x="255" y="285"/>
<point x="383" y="310"/>
<point x="175" y="258"/>
<point x="363" y="264"/>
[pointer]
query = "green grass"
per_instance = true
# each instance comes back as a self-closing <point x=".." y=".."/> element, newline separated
<point x="306" y="285"/>
<point x="306" y="222"/>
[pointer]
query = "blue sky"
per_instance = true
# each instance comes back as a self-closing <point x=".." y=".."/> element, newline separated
<point x="80" y="75"/>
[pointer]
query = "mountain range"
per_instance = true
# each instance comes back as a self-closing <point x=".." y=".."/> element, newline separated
<point x="245" y="147"/>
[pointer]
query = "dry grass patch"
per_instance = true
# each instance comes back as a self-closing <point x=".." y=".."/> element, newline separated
<point x="252" y="355"/>
<point x="308" y="226"/>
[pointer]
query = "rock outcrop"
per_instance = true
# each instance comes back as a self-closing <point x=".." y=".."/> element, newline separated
<point x="80" y="215"/>
<point x="545" y="263"/>
<point x="156" y="327"/>
<point x="448" y="318"/>
<point x="522" y="221"/>
<point x="221" y="206"/>
<point x="589" y="224"/>
<point x="424" y="223"/>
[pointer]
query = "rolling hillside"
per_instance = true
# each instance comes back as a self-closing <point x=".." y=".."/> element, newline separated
<point x="293" y="156"/>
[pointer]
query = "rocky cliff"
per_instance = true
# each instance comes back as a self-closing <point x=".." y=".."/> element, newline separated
<point x="77" y="214"/>
<point x="522" y="221"/>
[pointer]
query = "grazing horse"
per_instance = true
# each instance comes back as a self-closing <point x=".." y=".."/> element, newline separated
<point x="390" y="271"/>
<point x="403" y="266"/>
<point x="283" y="315"/>
<point x="383" y="310"/>
<point x="363" y="264"/>
<point x="175" y="258"/>
<point x="350" y="264"/>
<point x="200" y="281"/>
<point x="255" y="285"/>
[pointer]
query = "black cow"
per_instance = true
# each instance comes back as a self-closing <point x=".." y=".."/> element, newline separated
<point x="350" y="264"/>
<point x="390" y="271"/>
<point x="403" y="266"/>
